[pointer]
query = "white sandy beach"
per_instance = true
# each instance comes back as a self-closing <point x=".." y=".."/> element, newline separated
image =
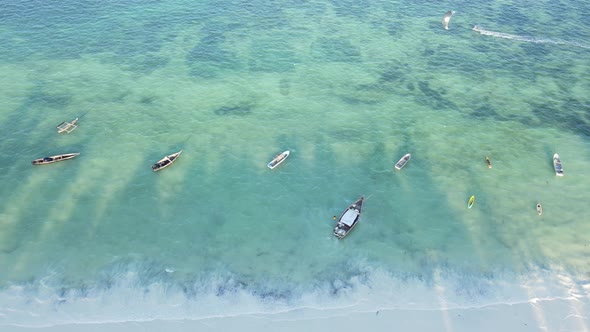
<point x="542" y="315"/>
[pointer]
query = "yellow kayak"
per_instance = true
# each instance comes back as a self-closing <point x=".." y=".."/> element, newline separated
<point x="471" y="201"/>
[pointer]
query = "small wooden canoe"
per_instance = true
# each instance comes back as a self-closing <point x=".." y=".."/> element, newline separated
<point x="489" y="162"/>
<point x="166" y="161"/>
<point x="278" y="159"/>
<point x="539" y="209"/>
<point x="349" y="218"/>
<point x="471" y="201"/>
<point x="53" y="159"/>
<point x="557" y="165"/>
<point x="403" y="161"/>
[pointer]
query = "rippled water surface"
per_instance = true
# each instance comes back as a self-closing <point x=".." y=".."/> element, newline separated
<point x="349" y="87"/>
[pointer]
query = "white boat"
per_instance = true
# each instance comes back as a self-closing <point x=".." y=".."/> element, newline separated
<point x="557" y="165"/>
<point x="539" y="209"/>
<point x="67" y="127"/>
<point x="166" y="161"/>
<point x="403" y="161"/>
<point x="53" y="159"/>
<point x="278" y="159"/>
<point x="349" y="218"/>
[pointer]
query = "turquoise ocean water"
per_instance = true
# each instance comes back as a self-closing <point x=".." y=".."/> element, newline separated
<point x="348" y="87"/>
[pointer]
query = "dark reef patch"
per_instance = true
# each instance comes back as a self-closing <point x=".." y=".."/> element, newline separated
<point x="147" y="64"/>
<point x="535" y="50"/>
<point x="510" y="15"/>
<point x="485" y="111"/>
<point x="39" y="98"/>
<point x="356" y="8"/>
<point x="284" y="86"/>
<point x="241" y="110"/>
<point x="358" y="100"/>
<point x="433" y="98"/>
<point x="394" y="73"/>
<point x="211" y="53"/>
<point x="147" y="100"/>
<point x="272" y="56"/>
<point x="395" y="29"/>
<point x="335" y="50"/>
<point x="572" y="115"/>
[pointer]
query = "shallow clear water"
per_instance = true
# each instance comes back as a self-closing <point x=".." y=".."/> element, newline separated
<point x="348" y="87"/>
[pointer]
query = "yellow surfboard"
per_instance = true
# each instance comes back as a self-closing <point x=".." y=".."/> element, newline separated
<point x="471" y="201"/>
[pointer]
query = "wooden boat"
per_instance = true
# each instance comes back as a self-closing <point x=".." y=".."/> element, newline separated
<point x="539" y="209"/>
<point x="53" y="159"/>
<point x="349" y="218"/>
<point x="67" y="127"/>
<point x="166" y="161"/>
<point x="489" y="162"/>
<point x="557" y="165"/>
<point x="278" y="159"/>
<point x="471" y="201"/>
<point x="403" y="161"/>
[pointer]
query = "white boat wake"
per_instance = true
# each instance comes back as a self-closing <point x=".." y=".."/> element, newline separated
<point x="527" y="39"/>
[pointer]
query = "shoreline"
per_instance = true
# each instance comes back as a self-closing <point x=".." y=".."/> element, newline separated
<point x="539" y="301"/>
<point x="535" y="315"/>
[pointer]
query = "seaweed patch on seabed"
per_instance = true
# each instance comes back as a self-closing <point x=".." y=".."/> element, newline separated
<point x="40" y="97"/>
<point x="285" y="86"/>
<point x="146" y="64"/>
<point x="358" y="8"/>
<point x="273" y="55"/>
<point x="208" y="56"/>
<point x="433" y="98"/>
<point x="241" y="110"/>
<point x="485" y="111"/>
<point x="336" y="50"/>
<point x="567" y="120"/>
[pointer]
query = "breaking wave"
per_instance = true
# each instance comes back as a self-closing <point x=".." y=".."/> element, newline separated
<point x="133" y="295"/>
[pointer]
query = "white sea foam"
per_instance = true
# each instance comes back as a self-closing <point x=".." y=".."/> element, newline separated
<point x="131" y="299"/>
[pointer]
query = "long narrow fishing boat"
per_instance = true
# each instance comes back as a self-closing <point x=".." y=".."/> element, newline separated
<point x="166" y="161"/>
<point x="349" y="218"/>
<point x="53" y="159"/>
<point x="278" y="159"/>
<point x="67" y="127"/>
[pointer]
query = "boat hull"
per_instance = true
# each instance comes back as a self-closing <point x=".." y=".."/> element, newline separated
<point x="403" y="161"/>
<point x="166" y="161"/>
<point x="348" y="219"/>
<point x="278" y="159"/>
<point x="54" y="159"/>
<point x="557" y="165"/>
